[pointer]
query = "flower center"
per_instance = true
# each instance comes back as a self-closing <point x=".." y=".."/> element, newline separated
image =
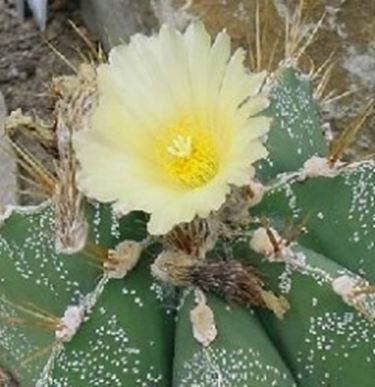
<point x="189" y="155"/>
<point x="180" y="146"/>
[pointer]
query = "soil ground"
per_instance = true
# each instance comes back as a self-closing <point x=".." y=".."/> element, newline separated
<point x="27" y="63"/>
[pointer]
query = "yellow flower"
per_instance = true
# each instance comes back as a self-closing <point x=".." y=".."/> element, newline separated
<point x="174" y="127"/>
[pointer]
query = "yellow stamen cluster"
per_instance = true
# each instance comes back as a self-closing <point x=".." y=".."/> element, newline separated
<point x="189" y="153"/>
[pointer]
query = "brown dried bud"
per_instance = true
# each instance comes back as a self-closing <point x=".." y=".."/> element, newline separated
<point x="232" y="280"/>
<point x="174" y="267"/>
<point x="194" y="239"/>
<point x="238" y="283"/>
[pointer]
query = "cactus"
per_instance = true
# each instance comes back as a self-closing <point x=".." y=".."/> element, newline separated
<point x="283" y="297"/>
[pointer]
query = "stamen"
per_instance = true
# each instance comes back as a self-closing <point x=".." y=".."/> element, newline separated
<point x="189" y="153"/>
<point x="181" y="146"/>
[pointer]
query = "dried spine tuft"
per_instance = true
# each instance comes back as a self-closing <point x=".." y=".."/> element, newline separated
<point x="77" y="97"/>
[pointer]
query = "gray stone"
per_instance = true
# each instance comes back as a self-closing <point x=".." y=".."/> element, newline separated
<point x="8" y="165"/>
<point x="114" y="21"/>
<point x="38" y="9"/>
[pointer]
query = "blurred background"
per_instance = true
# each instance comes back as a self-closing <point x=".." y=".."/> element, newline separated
<point x="29" y="28"/>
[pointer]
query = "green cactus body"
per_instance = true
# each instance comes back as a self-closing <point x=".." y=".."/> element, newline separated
<point x="135" y="335"/>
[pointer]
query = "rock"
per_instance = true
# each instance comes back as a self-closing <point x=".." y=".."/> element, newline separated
<point x="38" y="9"/>
<point x="114" y="21"/>
<point x="8" y="166"/>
